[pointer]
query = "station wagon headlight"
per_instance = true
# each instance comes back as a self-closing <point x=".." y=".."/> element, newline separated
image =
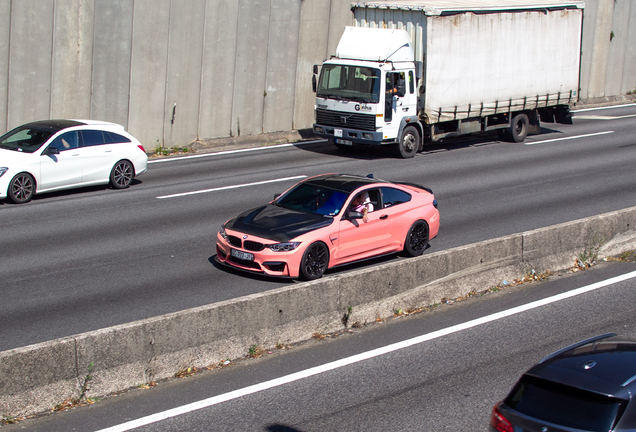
<point x="284" y="247"/>
<point x="223" y="233"/>
<point x="3" y="170"/>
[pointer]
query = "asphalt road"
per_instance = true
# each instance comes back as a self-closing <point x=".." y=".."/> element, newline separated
<point x="83" y="260"/>
<point x="453" y="364"/>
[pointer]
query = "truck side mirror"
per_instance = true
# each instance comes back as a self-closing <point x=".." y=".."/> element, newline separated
<point x="313" y="83"/>
<point x="315" y="69"/>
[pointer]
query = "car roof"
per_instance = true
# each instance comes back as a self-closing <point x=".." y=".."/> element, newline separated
<point x="604" y="364"/>
<point x="53" y="125"/>
<point x="343" y="182"/>
<point x="56" y="125"/>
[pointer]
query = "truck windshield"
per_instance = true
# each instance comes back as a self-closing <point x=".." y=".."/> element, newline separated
<point x="346" y="82"/>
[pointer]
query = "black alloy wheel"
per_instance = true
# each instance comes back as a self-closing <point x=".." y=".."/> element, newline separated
<point x="315" y="261"/>
<point x="21" y="188"/>
<point x="416" y="239"/>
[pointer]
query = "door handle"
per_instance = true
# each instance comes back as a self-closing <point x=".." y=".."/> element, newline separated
<point x="384" y="217"/>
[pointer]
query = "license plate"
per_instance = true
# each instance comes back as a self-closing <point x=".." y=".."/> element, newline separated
<point x="242" y="255"/>
<point x="345" y="142"/>
<point x="337" y="132"/>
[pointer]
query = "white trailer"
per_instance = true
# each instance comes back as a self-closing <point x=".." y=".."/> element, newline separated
<point x="414" y="71"/>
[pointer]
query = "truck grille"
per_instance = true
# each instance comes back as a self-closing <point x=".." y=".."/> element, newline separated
<point x="345" y="119"/>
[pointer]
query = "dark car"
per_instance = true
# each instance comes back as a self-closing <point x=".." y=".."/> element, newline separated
<point x="587" y="386"/>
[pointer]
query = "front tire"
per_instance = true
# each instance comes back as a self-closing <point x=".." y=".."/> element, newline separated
<point x="315" y="261"/>
<point x="21" y="188"/>
<point x="409" y="143"/>
<point x="122" y="174"/>
<point x="416" y="239"/>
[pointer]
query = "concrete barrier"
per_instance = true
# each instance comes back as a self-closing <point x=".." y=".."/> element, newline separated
<point x="37" y="377"/>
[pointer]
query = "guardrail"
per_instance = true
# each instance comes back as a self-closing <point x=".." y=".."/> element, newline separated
<point x="37" y="377"/>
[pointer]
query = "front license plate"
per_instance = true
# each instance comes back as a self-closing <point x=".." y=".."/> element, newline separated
<point x="345" y="142"/>
<point x="242" y="255"/>
<point x="337" y="132"/>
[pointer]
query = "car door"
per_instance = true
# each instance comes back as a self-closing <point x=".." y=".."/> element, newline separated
<point x="101" y="151"/>
<point x="358" y="239"/>
<point x="63" y="169"/>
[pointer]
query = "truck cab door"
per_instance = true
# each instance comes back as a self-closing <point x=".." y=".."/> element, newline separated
<point x="395" y="91"/>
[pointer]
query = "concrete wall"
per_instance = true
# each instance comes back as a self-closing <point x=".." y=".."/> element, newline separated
<point x="152" y="349"/>
<point x="174" y="71"/>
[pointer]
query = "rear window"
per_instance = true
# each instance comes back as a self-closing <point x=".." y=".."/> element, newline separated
<point x="565" y="406"/>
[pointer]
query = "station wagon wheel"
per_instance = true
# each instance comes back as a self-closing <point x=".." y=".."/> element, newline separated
<point x="416" y="239"/>
<point x="122" y="174"/>
<point x="315" y="261"/>
<point x="21" y="188"/>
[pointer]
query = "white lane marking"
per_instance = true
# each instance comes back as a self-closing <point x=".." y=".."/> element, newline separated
<point x="599" y="117"/>
<point x="221" y="153"/>
<point x="359" y="357"/>
<point x="569" y="138"/>
<point x="231" y="187"/>
<point x="604" y="108"/>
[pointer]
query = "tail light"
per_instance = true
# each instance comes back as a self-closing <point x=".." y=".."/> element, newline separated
<point x="499" y="422"/>
<point x="141" y="148"/>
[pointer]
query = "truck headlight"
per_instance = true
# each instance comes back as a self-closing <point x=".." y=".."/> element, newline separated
<point x="367" y="136"/>
<point x="284" y="247"/>
<point x="318" y="129"/>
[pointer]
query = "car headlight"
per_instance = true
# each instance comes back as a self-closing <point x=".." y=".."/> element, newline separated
<point x="284" y="247"/>
<point x="3" y="170"/>
<point x="222" y="232"/>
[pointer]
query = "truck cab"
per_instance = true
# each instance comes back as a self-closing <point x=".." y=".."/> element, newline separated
<point x="367" y="93"/>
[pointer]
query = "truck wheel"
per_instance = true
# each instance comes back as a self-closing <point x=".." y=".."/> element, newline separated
<point x="519" y="127"/>
<point x="409" y="143"/>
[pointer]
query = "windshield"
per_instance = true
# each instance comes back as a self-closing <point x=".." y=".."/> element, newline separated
<point x="345" y="82"/>
<point x="24" y="139"/>
<point x="309" y="198"/>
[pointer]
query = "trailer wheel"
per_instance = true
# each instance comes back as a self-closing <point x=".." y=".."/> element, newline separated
<point x="519" y="127"/>
<point x="409" y="143"/>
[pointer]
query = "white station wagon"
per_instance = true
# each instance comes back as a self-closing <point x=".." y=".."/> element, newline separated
<point x="51" y="155"/>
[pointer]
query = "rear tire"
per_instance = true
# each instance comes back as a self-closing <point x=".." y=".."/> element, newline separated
<point x="416" y="239"/>
<point x="409" y="143"/>
<point x="519" y="128"/>
<point x="21" y="188"/>
<point x="122" y="174"/>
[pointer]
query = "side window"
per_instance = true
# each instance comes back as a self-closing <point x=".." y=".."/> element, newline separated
<point x="92" y="138"/>
<point x="411" y="83"/>
<point x="113" y="138"/>
<point x="66" y="141"/>
<point x="392" y="197"/>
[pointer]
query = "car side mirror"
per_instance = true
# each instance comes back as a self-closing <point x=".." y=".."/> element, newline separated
<point x="355" y="215"/>
<point x="52" y="151"/>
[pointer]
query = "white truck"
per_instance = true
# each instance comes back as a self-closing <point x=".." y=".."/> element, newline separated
<point x="410" y="72"/>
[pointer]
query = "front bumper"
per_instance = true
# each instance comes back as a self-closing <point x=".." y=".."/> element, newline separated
<point x="347" y="136"/>
<point x="265" y="261"/>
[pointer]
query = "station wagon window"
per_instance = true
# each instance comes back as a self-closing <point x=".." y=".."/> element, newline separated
<point x="66" y="141"/>
<point x="95" y="137"/>
<point x="392" y="197"/>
